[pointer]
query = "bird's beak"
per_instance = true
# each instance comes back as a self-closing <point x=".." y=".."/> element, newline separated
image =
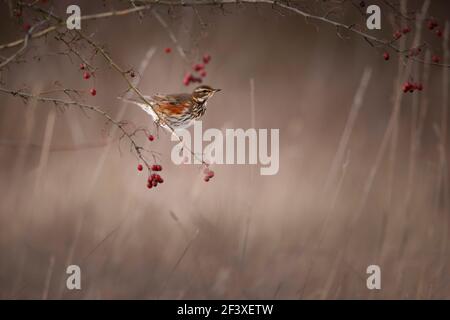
<point x="217" y="90"/>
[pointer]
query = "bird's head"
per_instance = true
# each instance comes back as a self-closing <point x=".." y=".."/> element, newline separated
<point x="203" y="93"/>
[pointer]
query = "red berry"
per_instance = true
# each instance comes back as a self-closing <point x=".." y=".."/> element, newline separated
<point x="82" y="66"/>
<point x="430" y="25"/>
<point x="86" y="75"/>
<point x="187" y="79"/>
<point x="155" y="183"/>
<point x="140" y="167"/>
<point x="198" y="66"/>
<point x="206" y="179"/>
<point x="439" y="33"/>
<point x="436" y="59"/>
<point x="17" y="12"/>
<point x="386" y="56"/>
<point x="93" y="92"/>
<point x="168" y="50"/>
<point x="196" y="79"/>
<point x="156" y="167"/>
<point x="407" y="87"/>
<point x="417" y="86"/>
<point x="210" y="174"/>
<point x="151" y="137"/>
<point x="149" y="185"/>
<point x="397" y="35"/>
<point x="406" y="30"/>
<point x="206" y="58"/>
<point x="203" y="73"/>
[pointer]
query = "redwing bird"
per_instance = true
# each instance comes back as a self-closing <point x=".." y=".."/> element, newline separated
<point x="177" y="111"/>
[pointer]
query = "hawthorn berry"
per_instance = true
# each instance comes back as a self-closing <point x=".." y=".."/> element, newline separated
<point x="386" y="56"/>
<point x="151" y="137"/>
<point x="156" y="167"/>
<point x="187" y="79"/>
<point x="414" y="51"/>
<point x="203" y="74"/>
<point x="82" y="66"/>
<point x="435" y="59"/>
<point x="199" y="66"/>
<point x="149" y="185"/>
<point x="93" y="92"/>
<point x="206" y="58"/>
<point x="406" y="30"/>
<point x="168" y="50"/>
<point x="140" y="167"/>
<point x="431" y="24"/>
<point x="407" y="86"/>
<point x="397" y="35"/>
<point x="86" y="75"/>
<point x="439" y="33"/>
<point x="209" y="174"/>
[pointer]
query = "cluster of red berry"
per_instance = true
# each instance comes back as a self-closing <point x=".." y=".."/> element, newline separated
<point x="18" y="14"/>
<point x="154" y="179"/>
<point x="200" y="69"/>
<point x="432" y="24"/>
<point x="408" y="86"/>
<point x="86" y="76"/>
<point x="209" y="174"/>
<point x="398" y="33"/>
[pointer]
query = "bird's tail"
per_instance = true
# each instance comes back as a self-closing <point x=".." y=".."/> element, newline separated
<point x="143" y="106"/>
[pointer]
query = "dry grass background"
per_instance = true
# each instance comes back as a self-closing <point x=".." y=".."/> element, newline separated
<point x="241" y="235"/>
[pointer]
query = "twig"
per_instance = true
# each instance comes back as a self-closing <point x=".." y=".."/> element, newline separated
<point x="149" y="4"/>
<point x="120" y="125"/>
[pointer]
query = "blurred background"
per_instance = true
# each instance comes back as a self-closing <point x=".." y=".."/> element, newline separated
<point x="345" y="196"/>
